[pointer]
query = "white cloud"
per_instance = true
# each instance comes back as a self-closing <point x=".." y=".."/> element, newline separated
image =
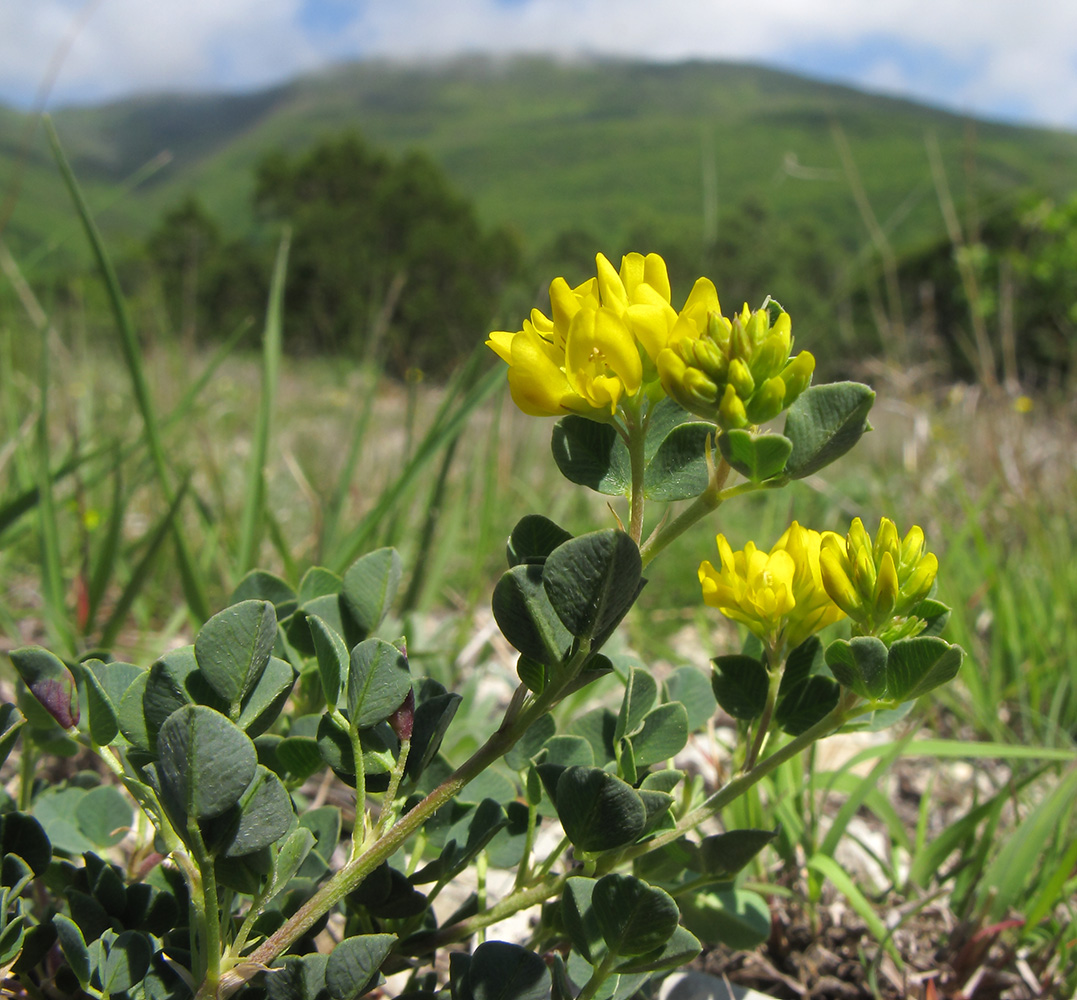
<point x="997" y="56"/>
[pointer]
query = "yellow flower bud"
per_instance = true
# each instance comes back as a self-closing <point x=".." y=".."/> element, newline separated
<point x="770" y="358"/>
<point x="797" y="375"/>
<point x="740" y="341"/>
<point x="740" y="378"/>
<point x="699" y="387"/>
<point x="731" y="412"/>
<point x="886" y="540"/>
<point x="767" y="401"/>
<point x="919" y="583"/>
<point x="706" y="355"/>
<point x="835" y="575"/>
<point x="886" y="587"/>
<point x="719" y="330"/>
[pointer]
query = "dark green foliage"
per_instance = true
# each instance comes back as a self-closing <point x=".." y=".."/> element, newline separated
<point x="387" y="260"/>
<point x="210" y="284"/>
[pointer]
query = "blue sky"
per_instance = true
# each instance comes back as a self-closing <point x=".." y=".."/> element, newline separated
<point x="994" y="58"/>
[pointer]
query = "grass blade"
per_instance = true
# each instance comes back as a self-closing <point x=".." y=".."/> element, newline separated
<point x="446" y="426"/>
<point x="142" y="570"/>
<point x="194" y="591"/>
<point x="826" y="866"/>
<point x="252" y="523"/>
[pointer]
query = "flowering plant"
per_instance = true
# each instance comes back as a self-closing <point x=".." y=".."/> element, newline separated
<point x="242" y="877"/>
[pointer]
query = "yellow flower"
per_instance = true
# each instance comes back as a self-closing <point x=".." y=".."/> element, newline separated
<point x="736" y="372"/>
<point x="590" y="355"/>
<point x="877" y="582"/>
<point x="779" y="595"/>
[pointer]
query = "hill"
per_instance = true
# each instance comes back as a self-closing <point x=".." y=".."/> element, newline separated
<point x="544" y="147"/>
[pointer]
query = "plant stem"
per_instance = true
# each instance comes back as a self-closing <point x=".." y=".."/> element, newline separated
<point x="637" y="460"/>
<point x="710" y="499"/>
<point x="513" y="726"/>
<point x="209" y="930"/>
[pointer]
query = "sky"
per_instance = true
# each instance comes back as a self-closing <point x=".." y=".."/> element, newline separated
<point x="1002" y="59"/>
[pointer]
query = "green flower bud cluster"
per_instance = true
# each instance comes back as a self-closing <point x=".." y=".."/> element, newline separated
<point x="878" y="583"/>
<point x="737" y="372"/>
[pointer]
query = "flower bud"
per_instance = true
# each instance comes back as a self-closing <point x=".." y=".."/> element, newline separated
<point x="886" y="587"/>
<point x="767" y="401"/>
<point x="731" y="412"/>
<point x="740" y="378"/>
<point x="835" y="576"/>
<point x="719" y="330"/>
<point x="699" y="387"/>
<point x="771" y="357"/>
<point x="740" y="341"/>
<point x="797" y="375"/>
<point x="886" y="540"/>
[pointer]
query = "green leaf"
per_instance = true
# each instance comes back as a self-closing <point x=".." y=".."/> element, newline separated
<point x="664" y="734"/>
<point x="678" y="951"/>
<point x="73" y="945"/>
<point x="378" y="682"/>
<point x="288" y="860"/>
<point x="206" y="762"/>
<point x="233" y="648"/>
<point x="757" y="457"/>
<point x="296" y="758"/>
<point x="689" y="686"/>
<point x="916" y="666"/>
<point x="533" y="539"/>
<point x="528" y="745"/>
<point x="502" y="971"/>
<point x="634" y="917"/>
<point x="103" y="816"/>
<point x="24" y="836"/>
<point x="806" y="703"/>
<point x="260" y="818"/>
<point x="823" y="423"/>
<point x="723" y="855"/>
<point x="370" y="586"/>
<point x="266" y="699"/>
<point x="578" y="917"/>
<point x="258" y="585"/>
<point x="434" y="711"/>
<point x="526" y="618"/>
<point x="592" y="454"/>
<point x="597" y="809"/>
<point x="859" y="664"/>
<point x="106" y="684"/>
<point x="298" y="979"/>
<point x="354" y="963"/>
<point x="464" y="840"/>
<point x="740" y="685"/>
<point x="11" y="721"/>
<point x="678" y="470"/>
<point x="737" y="918"/>
<point x="333" y="661"/>
<point x="127" y="963"/>
<point x="592" y="580"/>
<point x="50" y="682"/>
<point x="641" y="691"/>
<point x="568" y="751"/>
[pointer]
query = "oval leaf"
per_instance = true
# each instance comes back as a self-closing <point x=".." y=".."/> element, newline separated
<point x="233" y="648"/>
<point x="526" y="618"/>
<point x="593" y="580"/>
<point x="206" y="762"/>
<point x="678" y="470"/>
<point x="354" y="963"/>
<point x="916" y="666"/>
<point x="823" y="423"/>
<point x="50" y="682"/>
<point x="369" y="588"/>
<point x="634" y="917"/>
<point x="740" y="685"/>
<point x="598" y="810"/>
<point x="592" y="454"/>
<point x="378" y="682"/>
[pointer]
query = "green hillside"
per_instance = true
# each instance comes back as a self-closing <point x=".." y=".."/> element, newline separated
<point x="611" y="148"/>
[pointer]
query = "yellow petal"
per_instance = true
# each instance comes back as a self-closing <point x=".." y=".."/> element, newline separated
<point x="611" y="290"/>
<point x="500" y="343"/>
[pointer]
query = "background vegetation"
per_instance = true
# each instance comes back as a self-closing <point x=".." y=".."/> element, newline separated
<point x="154" y="444"/>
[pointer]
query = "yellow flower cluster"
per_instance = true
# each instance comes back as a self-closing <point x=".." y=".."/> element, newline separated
<point x="809" y="580"/>
<point x="779" y="594"/>
<point x="736" y="371"/>
<point x="874" y="582"/>
<point x="617" y="336"/>
<point x="586" y="357"/>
